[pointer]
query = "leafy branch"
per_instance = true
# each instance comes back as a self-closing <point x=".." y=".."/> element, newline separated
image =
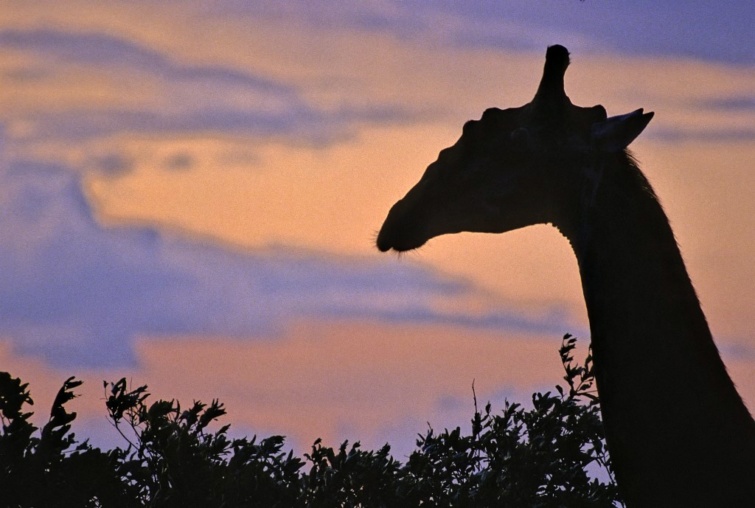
<point x="519" y="457"/>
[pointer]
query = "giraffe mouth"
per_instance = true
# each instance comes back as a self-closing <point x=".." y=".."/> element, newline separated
<point x="385" y="246"/>
<point x="400" y="234"/>
<point x="398" y="240"/>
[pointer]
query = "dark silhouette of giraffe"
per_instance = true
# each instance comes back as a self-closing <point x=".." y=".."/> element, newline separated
<point x="678" y="431"/>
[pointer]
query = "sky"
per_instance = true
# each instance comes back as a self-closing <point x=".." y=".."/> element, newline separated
<point x="190" y="192"/>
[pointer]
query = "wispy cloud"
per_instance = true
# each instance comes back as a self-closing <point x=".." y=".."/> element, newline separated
<point x="705" y="135"/>
<point x="305" y="124"/>
<point x="742" y="103"/>
<point x="156" y="94"/>
<point x="76" y="293"/>
<point x="719" y="31"/>
<point x="101" y="49"/>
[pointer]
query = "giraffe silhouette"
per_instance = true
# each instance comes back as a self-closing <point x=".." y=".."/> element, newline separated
<point x="678" y="432"/>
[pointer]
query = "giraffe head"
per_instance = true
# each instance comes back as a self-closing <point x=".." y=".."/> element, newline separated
<point x="512" y="168"/>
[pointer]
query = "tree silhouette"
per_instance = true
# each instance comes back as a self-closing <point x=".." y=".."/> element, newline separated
<point x="520" y="457"/>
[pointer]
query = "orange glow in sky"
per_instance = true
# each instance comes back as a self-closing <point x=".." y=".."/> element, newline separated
<point x="190" y="197"/>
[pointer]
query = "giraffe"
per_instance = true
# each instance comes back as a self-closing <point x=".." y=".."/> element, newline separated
<point x="678" y="432"/>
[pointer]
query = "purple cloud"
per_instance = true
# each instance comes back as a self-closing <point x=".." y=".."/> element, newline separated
<point x="718" y="31"/>
<point x="75" y="293"/>
<point x="191" y="98"/>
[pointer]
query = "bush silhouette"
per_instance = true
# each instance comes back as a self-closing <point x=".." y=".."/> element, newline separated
<point x="521" y="457"/>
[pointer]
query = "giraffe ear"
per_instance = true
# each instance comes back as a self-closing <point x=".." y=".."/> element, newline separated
<point x="617" y="132"/>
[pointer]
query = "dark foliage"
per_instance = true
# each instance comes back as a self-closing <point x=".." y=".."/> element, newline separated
<point x="522" y="457"/>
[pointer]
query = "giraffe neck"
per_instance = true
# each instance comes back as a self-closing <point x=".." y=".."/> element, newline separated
<point x="674" y="422"/>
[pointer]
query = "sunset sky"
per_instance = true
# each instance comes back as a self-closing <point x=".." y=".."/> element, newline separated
<point x="190" y="192"/>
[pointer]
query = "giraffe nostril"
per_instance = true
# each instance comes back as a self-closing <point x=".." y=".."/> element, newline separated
<point x="382" y="243"/>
